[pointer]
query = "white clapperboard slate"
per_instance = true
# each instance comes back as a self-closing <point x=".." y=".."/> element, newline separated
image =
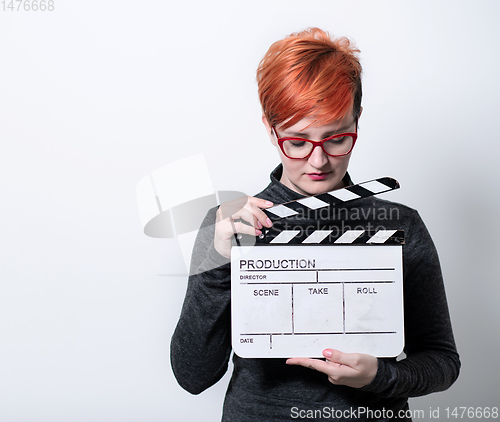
<point x="293" y="294"/>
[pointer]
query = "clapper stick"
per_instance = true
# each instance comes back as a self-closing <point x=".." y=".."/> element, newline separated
<point x="332" y="198"/>
<point x="331" y="237"/>
<point x="281" y="212"/>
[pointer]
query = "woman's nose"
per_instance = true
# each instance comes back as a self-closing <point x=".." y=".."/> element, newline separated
<point x="318" y="157"/>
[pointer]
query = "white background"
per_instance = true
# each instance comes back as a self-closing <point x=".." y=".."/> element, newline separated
<point x="97" y="94"/>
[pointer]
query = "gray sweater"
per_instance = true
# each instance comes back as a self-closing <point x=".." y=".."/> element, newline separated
<point x="270" y="390"/>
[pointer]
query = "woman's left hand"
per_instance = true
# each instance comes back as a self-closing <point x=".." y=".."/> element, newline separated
<point x="351" y="369"/>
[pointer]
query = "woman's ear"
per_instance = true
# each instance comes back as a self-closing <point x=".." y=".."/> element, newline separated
<point x="269" y="131"/>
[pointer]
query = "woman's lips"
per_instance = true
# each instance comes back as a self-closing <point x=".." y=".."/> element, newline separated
<point x="318" y="176"/>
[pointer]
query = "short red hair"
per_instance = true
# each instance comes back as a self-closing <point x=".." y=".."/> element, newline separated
<point x="308" y="73"/>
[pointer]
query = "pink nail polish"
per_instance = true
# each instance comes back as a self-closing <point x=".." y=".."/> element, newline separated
<point x="327" y="353"/>
<point x="269" y="222"/>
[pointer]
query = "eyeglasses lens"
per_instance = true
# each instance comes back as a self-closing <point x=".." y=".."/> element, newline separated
<point x="333" y="146"/>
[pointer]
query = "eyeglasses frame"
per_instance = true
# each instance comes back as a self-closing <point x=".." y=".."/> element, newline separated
<point x="316" y="143"/>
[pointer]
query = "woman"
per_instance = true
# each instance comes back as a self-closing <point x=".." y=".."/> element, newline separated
<point x="310" y="90"/>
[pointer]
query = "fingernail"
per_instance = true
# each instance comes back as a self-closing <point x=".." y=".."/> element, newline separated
<point x="327" y="353"/>
<point x="258" y="232"/>
<point x="269" y="222"/>
<point x="259" y="224"/>
<point x="269" y="203"/>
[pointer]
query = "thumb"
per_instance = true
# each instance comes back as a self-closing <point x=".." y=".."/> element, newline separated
<point x="336" y="356"/>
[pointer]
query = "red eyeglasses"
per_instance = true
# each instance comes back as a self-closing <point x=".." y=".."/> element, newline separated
<point x="300" y="148"/>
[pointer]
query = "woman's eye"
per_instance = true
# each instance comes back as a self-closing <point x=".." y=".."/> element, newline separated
<point x="297" y="144"/>
<point x="336" y="141"/>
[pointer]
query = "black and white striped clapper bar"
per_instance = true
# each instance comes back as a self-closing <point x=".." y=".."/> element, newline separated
<point x="295" y="292"/>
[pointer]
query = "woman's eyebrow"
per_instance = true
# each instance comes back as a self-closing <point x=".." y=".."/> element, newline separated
<point x="325" y="135"/>
<point x="297" y="134"/>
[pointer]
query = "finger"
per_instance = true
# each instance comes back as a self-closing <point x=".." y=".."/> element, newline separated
<point x="259" y="202"/>
<point x="316" y="364"/>
<point x="256" y="205"/>
<point x="230" y="208"/>
<point x="233" y="227"/>
<point x="235" y="212"/>
<point x="336" y="372"/>
<point x="253" y="215"/>
<point x="226" y="229"/>
<point x="246" y="215"/>
<point x="348" y="359"/>
<point x="242" y="228"/>
<point x="256" y="222"/>
<point x="262" y="217"/>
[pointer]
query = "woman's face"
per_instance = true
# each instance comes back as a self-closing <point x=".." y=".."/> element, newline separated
<point x="319" y="173"/>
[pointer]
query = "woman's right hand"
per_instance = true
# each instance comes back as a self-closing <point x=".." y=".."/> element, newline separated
<point x="229" y="214"/>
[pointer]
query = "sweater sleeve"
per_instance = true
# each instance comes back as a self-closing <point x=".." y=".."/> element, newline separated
<point x="432" y="363"/>
<point x="201" y="343"/>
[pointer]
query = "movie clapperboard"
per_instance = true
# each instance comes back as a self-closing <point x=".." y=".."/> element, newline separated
<point x="296" y="292"/>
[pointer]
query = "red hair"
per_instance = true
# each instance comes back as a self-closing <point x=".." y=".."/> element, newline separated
<point x="309" y="73"/>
